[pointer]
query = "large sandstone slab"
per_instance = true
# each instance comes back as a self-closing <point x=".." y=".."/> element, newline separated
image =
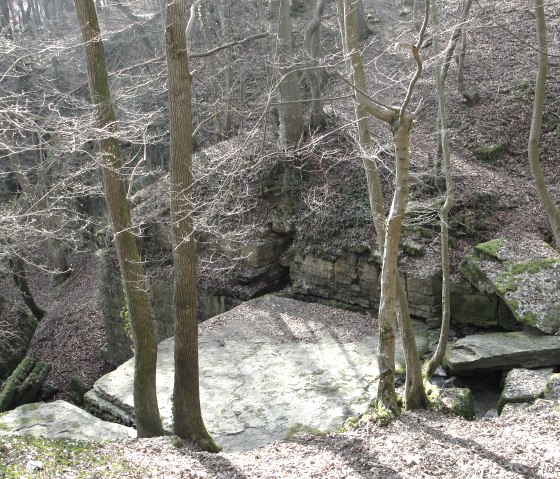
<point x="265" y="366"/>
<point x="60" y="419"/>
<point x="525" y="273"/>
<point x="502" y="351"/>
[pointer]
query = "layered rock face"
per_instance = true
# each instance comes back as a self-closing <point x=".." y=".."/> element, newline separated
<point x="257" y="273"/>
<point x="354" y="280"/>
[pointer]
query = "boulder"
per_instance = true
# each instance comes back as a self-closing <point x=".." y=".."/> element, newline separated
<point x="266" y="366"/>
<point x="457" y="401"/>
<point x="524" y="273"/>
<point x="60" y="419"/>
<point x="523" y="349"/>
<point x="552" y="390"/>
<point x="524" y="386"/>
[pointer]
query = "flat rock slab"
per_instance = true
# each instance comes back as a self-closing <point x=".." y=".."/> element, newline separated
<point x="521" y="349"/>
<point x="525" y="273"/>
<point x="266" y="366"/>
<point x="58" y="420"/>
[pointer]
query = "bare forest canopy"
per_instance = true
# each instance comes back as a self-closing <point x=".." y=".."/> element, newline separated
<point x="48" y="132"/>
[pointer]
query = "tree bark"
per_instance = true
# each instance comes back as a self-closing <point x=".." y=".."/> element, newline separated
<point x="348" y="19"/>
<point x="550" y="208"/>
<point x="388" y="307"/>
<point x="5" y="14"/>
<point x="148" y="421"/>
<point x="227" y="36"/>
<point x="291" y="111"/>
<point x="455" y="37"/>
<point x="313" y="48"/>
<point x="443" y="137"/>
<point x="187" y="415"/>
<point x="17" y="265"/>
<point x="361" y="23"/>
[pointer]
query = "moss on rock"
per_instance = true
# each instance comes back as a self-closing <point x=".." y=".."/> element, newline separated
<point x="491" y="248"/>
<point x="457" y="401"/>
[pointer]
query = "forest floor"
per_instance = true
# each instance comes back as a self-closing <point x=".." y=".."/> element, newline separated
<point x="416" y="445"/>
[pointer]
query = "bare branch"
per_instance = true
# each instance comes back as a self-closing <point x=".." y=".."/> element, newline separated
<point x="228" y="45"/>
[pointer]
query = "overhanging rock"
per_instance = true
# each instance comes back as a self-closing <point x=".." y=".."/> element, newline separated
<point x="525" y="273"/>
<point x="519" y="349"/>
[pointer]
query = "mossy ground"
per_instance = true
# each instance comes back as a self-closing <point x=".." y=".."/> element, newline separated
<point x="60" y="458"/>
<point x="376" y="413"/>
<point x="299" y="428"/>
<point x="491" y="153"/>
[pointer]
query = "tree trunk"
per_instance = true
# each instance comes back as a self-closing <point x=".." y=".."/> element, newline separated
<point x="347" y="15"/>
<point x="5" y="14"/>
<point x="550" y="208"/>
<point x="227" y="36"/>
<point x="361" y="23"/>
<point x="17" y="265"/>
<point x="455" y="37"/>
<point x="212" y="71"/>
<point x="414" y="394"/>
<point x="148" y="422"/>
<point x="313" y="48"/>
<point x="443" y="136"/>
<point x="187" y="416"/>
<point x="388" y="307"/>
<point x="291" y="111"/>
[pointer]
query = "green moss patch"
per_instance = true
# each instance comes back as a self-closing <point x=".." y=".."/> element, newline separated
<point x="376" y="413"/>
<point x="457" y="401"/>
<point x="491" y="153"/>
<point x="490" y="248"/>
<point x="299" y="428"/>
<point x="524" y="273"/>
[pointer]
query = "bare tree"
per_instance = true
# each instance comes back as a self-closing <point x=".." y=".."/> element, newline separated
<point x="394" y="304"/>
<point x="550" y="208"/>
<point x="148" y="421"/>
<point x="187" y="415"/>
<point x="443" y="145"/>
